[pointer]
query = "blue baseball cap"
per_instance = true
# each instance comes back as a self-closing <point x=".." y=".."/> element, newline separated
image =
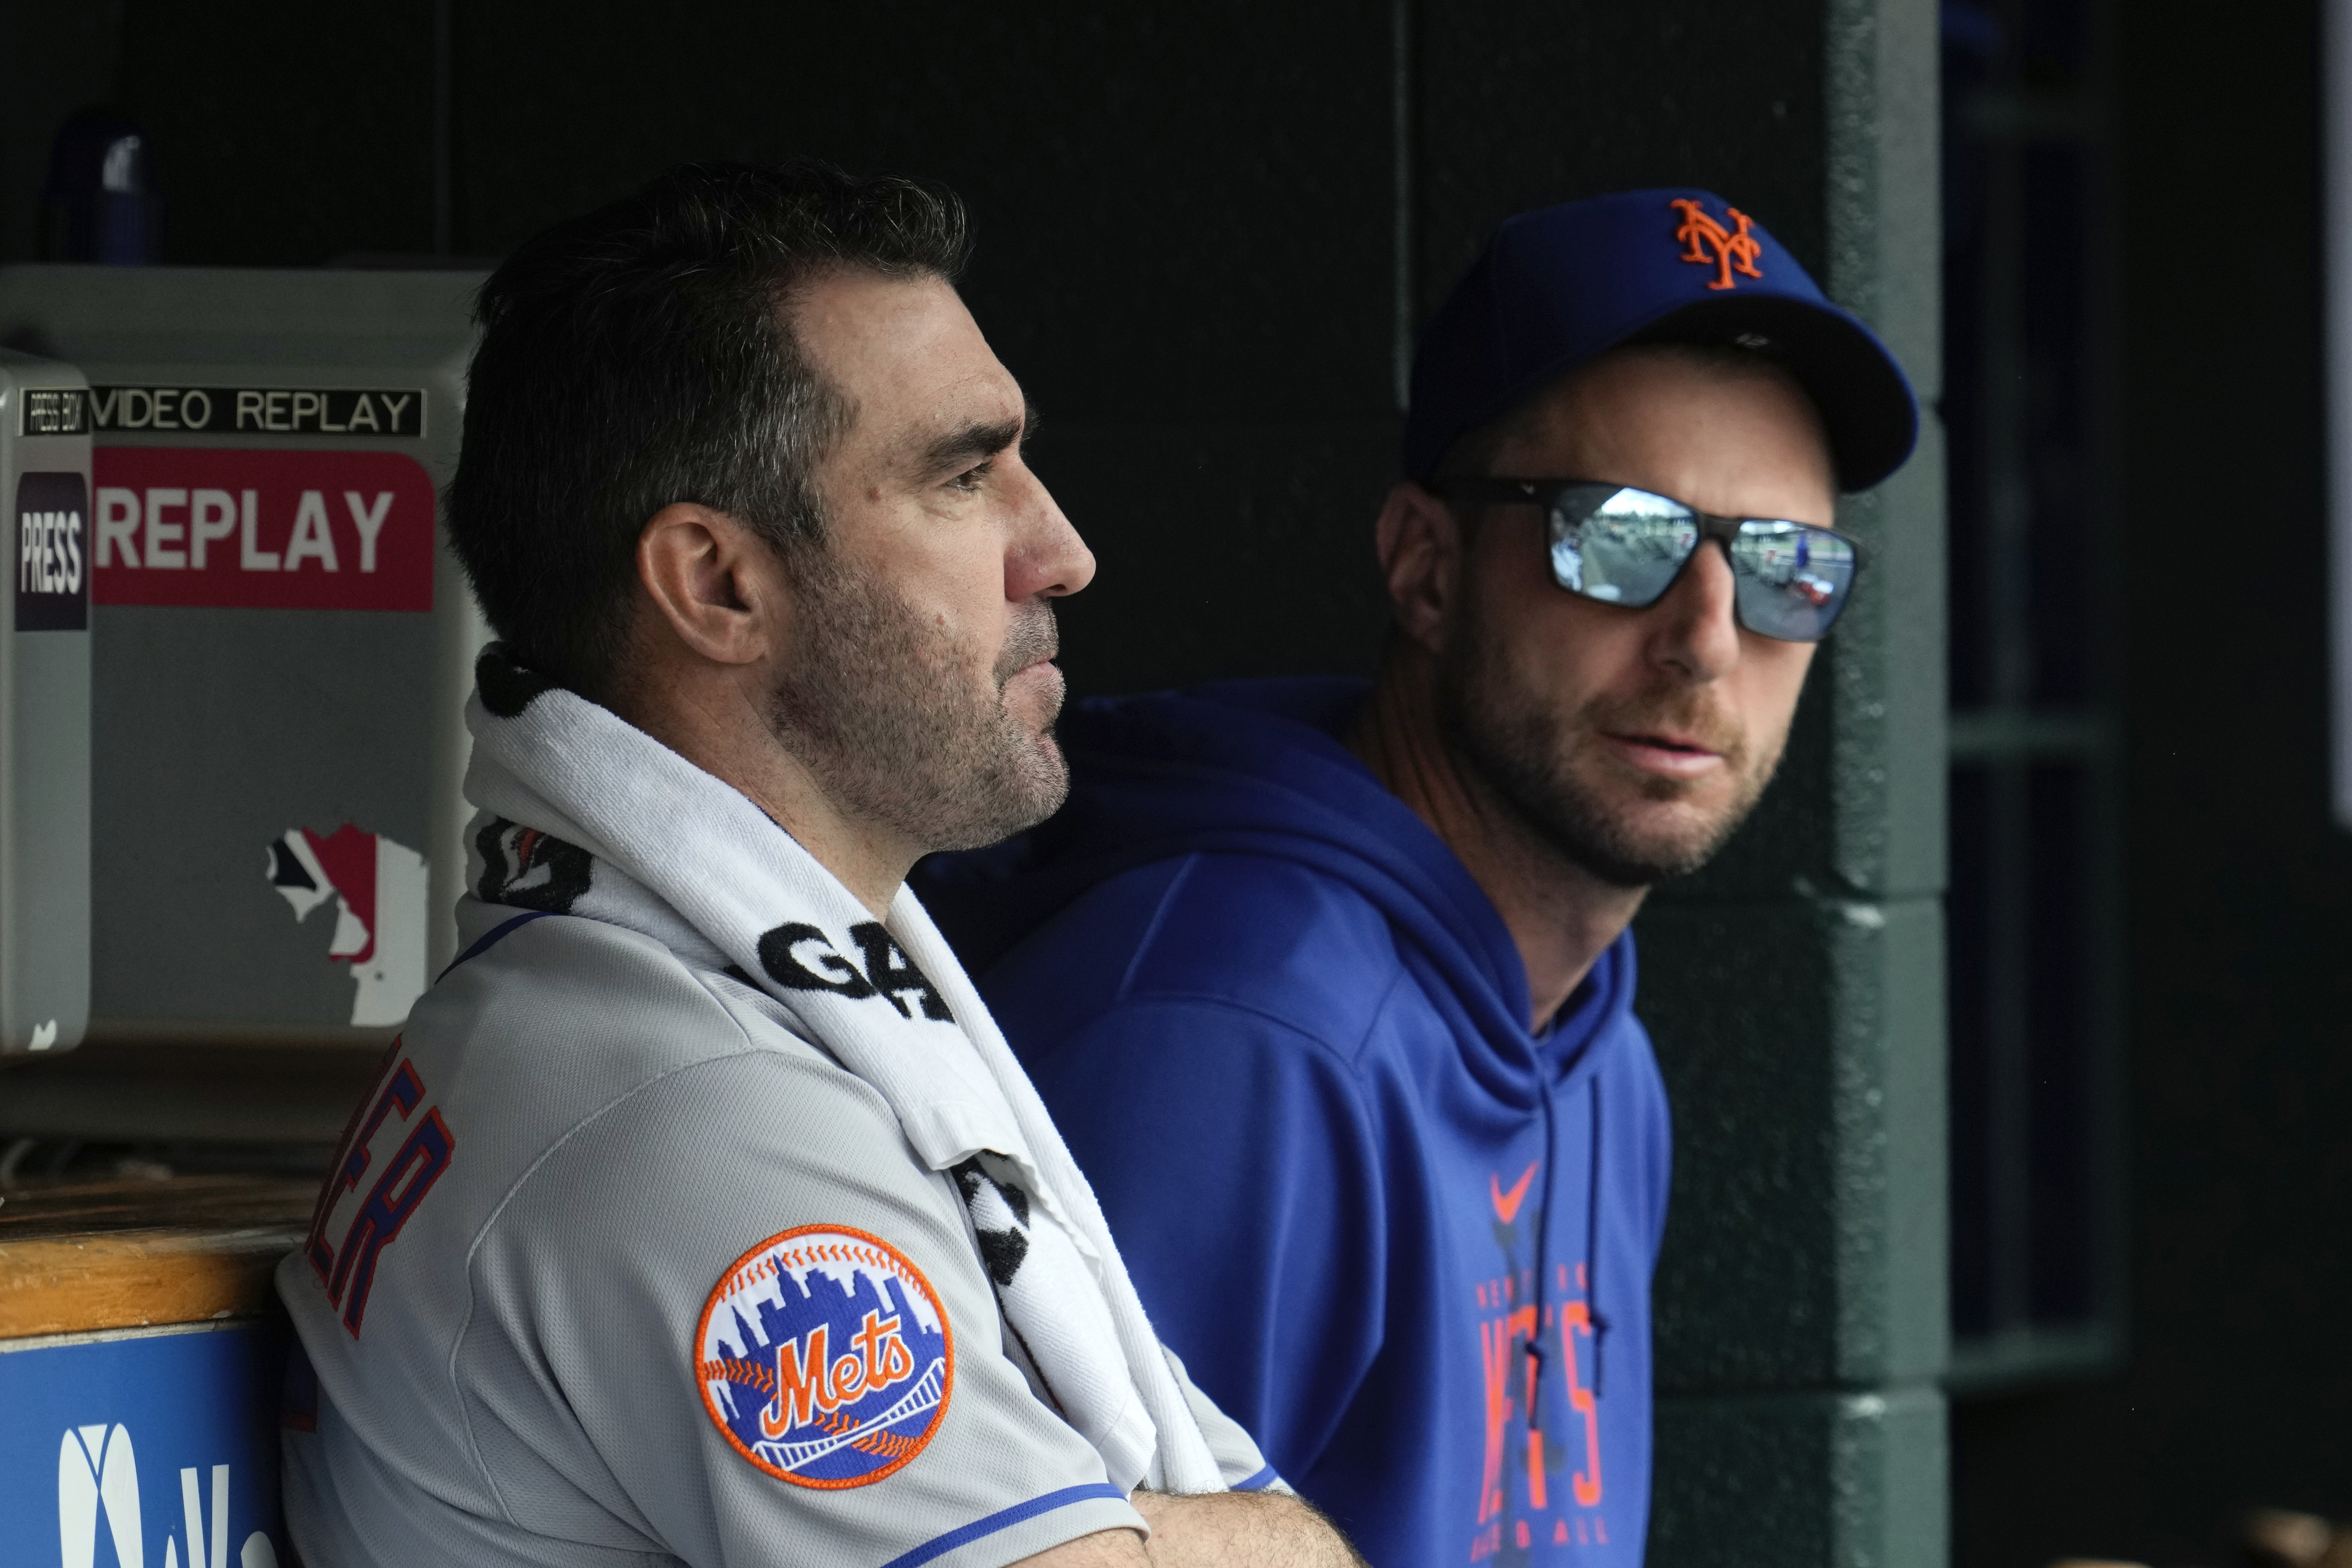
<point x="1562" y="284"/>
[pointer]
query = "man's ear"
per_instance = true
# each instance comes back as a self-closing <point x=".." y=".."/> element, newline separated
<point x="713" y="583"/>
<point x="1421" y="543"/>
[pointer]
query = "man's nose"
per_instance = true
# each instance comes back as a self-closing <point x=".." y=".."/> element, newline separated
<point x="1693" y="629"/>
<point x="1045" y="557"/>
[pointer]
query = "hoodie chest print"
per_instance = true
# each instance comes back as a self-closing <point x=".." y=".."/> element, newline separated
<point x="1542" y="1482"/>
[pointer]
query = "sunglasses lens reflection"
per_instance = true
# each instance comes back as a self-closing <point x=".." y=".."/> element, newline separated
<point x="1626" y="546"/>
<point x="1623" y="548"/>
<point x="1792" y="580"/>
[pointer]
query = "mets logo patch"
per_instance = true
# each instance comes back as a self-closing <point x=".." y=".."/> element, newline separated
<point x="826" y="1357"/>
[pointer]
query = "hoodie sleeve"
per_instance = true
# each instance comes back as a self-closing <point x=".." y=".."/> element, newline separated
<point x="1248" y="1202"/>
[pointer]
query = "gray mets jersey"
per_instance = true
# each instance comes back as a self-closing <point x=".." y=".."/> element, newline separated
<point x="615" y="1268"/>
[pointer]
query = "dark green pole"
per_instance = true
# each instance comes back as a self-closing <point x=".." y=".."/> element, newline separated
<point x="1795" y="989"/>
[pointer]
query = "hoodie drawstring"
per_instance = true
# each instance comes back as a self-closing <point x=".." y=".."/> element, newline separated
<point x="1543" y="1267"/>
<point x="1590" y="1270"/>
<point x="1592" y="1238"/>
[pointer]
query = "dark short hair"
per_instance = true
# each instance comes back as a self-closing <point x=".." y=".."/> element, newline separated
<point x="644" y="356"/>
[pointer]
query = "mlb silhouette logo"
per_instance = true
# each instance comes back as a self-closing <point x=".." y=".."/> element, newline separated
<point x="378" y="889"/>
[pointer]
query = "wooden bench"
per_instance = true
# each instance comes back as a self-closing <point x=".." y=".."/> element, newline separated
<point x="141" y="1353"/>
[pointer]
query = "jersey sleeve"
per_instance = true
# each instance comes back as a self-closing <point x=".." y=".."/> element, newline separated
<point x="1239" y="1460"/>
<point x="734" y="1314"/>
<point x="1248" y="1204"/>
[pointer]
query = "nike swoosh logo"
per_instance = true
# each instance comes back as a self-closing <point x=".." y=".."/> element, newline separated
<point x="1507" y="1205"/>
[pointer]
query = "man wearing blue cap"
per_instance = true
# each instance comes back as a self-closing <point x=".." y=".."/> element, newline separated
<point x="1331" y="989"/>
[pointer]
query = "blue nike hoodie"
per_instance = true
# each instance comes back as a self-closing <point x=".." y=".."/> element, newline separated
<point x="1404" y="1240"/>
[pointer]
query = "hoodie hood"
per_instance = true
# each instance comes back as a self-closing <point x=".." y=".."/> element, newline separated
<point x="1260" y="768"/>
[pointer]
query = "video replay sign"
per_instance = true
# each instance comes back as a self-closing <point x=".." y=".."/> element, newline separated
<point x="280" y="643"/>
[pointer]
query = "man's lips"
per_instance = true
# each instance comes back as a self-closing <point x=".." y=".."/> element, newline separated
<point x="1665" y="754"/>
<point x="1042" y="673"/>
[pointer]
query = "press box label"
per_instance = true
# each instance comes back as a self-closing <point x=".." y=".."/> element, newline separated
<point x="52" y="554"/>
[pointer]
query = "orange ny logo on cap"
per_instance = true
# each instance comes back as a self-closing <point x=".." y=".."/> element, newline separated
<point x="1732" y="250"/>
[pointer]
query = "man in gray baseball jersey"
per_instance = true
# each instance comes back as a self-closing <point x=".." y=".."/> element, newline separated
<point x="700" y="1214"/>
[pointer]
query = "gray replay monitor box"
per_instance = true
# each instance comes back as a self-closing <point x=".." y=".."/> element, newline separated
<point x="45" y="736"/>
<point x="282" y="641"/>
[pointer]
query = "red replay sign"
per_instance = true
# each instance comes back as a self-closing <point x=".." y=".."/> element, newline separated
<point x="229" y="528"/>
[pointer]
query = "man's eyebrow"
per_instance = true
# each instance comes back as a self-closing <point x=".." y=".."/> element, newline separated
<point x="959" y="450"/>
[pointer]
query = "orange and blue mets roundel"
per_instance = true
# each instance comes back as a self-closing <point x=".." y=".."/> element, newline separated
<point x="826" y="1357"/>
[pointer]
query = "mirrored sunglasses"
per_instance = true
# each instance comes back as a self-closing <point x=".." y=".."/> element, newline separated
<point x="1626" y="546"/>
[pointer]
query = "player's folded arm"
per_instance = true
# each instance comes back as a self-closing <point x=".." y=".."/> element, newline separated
<point x="737" y="1309"/>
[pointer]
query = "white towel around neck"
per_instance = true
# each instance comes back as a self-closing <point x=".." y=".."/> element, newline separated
<point x="678" y="855"/>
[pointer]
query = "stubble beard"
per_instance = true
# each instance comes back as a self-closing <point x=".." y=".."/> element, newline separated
<point x="883" y="710"/>
<point x="1528" y="756"/>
